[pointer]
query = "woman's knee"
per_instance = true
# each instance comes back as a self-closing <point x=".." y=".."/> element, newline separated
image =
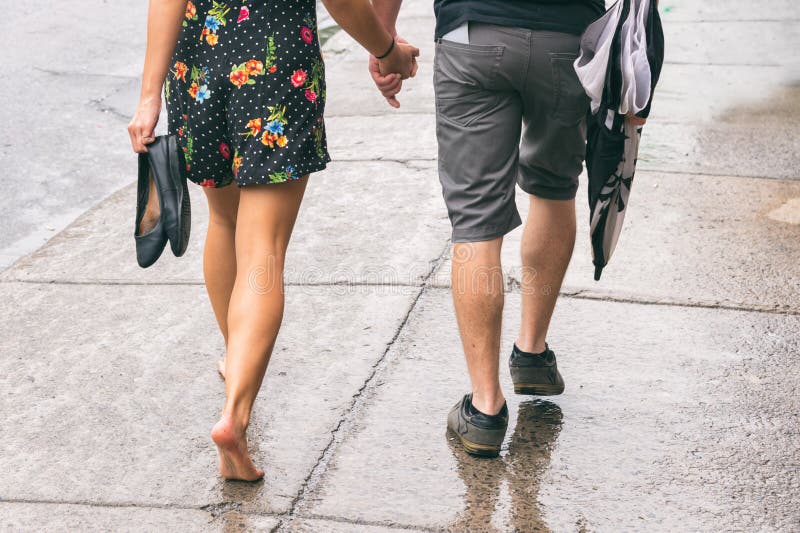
<point x="224" y="218"/>
<point x="223" y="206"/>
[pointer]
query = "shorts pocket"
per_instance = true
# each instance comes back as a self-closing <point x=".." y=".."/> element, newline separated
<point x="570" y="102"/>
<point x="464" y="81"/>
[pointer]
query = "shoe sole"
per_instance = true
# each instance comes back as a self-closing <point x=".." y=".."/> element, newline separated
<point x="533" y="389"/>
<point x="185" y="222"/>
<point x="480" y="450"/>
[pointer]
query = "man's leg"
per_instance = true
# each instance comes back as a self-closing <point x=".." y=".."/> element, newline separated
<point x="478" y="298"/>
<point x="547" y="243"/>
<point x="478" y="124"/>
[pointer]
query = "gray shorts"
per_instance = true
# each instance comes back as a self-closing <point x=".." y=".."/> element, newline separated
<point x="509" y="108"/>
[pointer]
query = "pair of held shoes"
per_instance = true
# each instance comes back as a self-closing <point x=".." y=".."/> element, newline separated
<point x="163" y="164"/>
<point x="482" y="434"/>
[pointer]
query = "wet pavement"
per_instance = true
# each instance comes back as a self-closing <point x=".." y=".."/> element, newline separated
<point x="682" y="403"/>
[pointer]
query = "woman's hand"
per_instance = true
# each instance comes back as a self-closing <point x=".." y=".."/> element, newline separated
<point x="143" y="124"/>
<point x="401" y="60"/>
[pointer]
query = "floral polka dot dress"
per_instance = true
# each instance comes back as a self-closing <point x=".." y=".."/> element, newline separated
<point x="246" y="92"/>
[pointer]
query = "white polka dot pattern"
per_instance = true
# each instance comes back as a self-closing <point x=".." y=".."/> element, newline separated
<point x="246" y="93"/>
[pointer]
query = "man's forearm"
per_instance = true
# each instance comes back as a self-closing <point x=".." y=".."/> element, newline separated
<point x="387" y="11"/>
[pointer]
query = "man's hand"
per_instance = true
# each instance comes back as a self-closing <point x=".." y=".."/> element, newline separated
<point x="389" y="84"/>
<point x="634" y="120"/>
<point x="401" y="60"/>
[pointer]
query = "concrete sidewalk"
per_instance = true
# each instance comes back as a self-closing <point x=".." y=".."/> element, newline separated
<point x="681" y="411"/>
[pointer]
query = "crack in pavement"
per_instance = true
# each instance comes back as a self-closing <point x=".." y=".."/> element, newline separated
<point x="358" y="403"/>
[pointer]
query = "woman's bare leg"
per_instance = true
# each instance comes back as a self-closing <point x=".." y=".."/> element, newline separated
<point x="219" y="254"/>
<point x="264" y="225"/>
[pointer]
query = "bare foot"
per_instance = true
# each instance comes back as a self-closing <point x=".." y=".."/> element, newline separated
<point x="221" y="368"/>
<point x="234" y="459"/>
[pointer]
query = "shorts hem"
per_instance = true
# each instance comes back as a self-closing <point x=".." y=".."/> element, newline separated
<point x="485" y="234"/>
<point x="549" y="193"/>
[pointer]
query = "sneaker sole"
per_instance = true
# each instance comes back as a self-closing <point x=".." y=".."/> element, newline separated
<point x="480" y="450"/>
<point x="533" y="389"/>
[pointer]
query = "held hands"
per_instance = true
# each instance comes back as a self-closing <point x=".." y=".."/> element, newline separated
<point x="389" y="73"/>
<point x="143" y="124"/>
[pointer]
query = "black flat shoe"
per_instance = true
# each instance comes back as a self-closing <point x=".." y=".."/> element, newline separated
<point x="150" y="245"/>
<point x="167" y="164"/>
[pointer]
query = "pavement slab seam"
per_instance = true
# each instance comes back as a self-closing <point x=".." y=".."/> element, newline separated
<point x="584" y="294"/>
<point x="122" y="505"/>
<point x="384" y="524"/>
<point x="512" y="286"/>
<point x="214" y="510"/>
<point x="657" y="170"/>
<point x="317" y="472"/>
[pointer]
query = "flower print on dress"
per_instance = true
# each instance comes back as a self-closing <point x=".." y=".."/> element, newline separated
<point x="191" y="13"/>
<point x="243" y="73"/>
<point x="199" y="89"/>
<point x="254" y="128"/>
<point x="180" y="70"/>
<point x="267" y="133"/>
<point x="272" y="57"/>
<point x="318" y="130"/>
<point x="203" y="92"/>
<point x="214" y="19"/>
<point x="314" y="87"/>
<point x="273" y="133"/>
<point x="188" y="148"/>
<point x="289" y="173"/>
<point x="299" y="77"/>
<point x="308" y="29"/>
<point x="212" y="23"/>
<point x="236" y="163"/>
<point x="254" y="67"/>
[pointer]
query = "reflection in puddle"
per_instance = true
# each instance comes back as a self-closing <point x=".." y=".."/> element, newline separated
<point x="520" y="471"/>
<point x="241" y="495"/>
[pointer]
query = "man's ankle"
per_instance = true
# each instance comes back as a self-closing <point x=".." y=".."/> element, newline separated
<point x="488" y="404"/>
<point x="531" y="344"/>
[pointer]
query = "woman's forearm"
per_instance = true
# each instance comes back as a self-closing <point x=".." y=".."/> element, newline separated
<point x="164" y="19"/>
<point x="358" y="18"/>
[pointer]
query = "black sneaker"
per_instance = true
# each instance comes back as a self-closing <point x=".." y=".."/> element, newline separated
<point x="480" y="434"/>
<point x="535" y="374"/>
